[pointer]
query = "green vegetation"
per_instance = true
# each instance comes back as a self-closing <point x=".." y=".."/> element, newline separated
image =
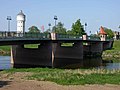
<point x="67" y="44"/>
<point x="114" y="53"/>
<point x="77" y="28"/>
<point x="59" y="28"/>
<point x="71" y="76"/>
<point x="33" y="29"/>
<point x="109" y="32"/>
<point x="31" y="45"/>
<point x="5" y="50"/>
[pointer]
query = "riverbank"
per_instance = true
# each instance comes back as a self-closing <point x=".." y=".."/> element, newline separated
<point x="59" y="79"/>
<point x="114" y="53"/>
<point x="68" y="76"/>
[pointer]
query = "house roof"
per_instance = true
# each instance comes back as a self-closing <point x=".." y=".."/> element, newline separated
<point x="102" y="31"/>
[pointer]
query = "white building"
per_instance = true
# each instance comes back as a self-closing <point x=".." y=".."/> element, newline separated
<point x="20" y="22"/>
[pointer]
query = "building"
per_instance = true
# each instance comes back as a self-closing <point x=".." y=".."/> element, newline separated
<point x="21" y="22"/>
<point x="103" y="34"/>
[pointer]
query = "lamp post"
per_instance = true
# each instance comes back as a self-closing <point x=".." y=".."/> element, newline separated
<point x="49" y="26"/>
<point x="9" y="18"/>
<point x="55" y="18"/>
<point x="119" y="26"/>
<point x="85" y="26"/>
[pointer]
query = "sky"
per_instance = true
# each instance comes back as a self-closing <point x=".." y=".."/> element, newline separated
<point x="95" y="13"/>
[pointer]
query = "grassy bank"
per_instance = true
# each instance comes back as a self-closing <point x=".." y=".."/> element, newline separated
<point x="69" y="76"/>
<point x="114" y="53"/>
<point x="5" y="50"/>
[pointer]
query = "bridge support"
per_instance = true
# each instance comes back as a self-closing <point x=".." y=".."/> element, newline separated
<point x="107" y="45"/>
<point x="46" y="55"/>
<point x="27" y="57"/>
<point x="67" y="55"/>
<point x="93" y="49"/>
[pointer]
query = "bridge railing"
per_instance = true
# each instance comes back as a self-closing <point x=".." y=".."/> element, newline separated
<point x="37" y="35"/>
<point x="93" y="38"/>
<point x="68" y="36"/>
<point x="109" y="39"/>
<point x="4" y="35"/>
<point x="52" y="36"/>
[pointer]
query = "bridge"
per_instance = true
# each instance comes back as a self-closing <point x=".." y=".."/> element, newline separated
<point x="51" y="52"/>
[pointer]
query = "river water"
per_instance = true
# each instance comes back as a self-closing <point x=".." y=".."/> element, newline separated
<point x="96" y="63"/>
<point x="5" y="62"/>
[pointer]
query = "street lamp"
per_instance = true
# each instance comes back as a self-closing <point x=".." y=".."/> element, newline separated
<point x="49" y="26"/>
<point x="9" y="18"/>
<point x="85" y="26"/>
<point x="55" y="18"/>
<point x="119" y="26"/>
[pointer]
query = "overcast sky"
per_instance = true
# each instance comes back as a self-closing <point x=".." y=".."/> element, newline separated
<point x="95" y="13"/>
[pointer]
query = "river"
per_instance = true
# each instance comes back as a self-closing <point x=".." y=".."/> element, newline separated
<point x="96" y="63"/>
<point x="5" y="62"/>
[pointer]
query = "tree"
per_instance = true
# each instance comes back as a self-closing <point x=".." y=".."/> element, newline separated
<point x="109" y="32"/>
<point x="69" y="32"/>
<point x="47" y="31"/>
<point x="77" y="28"/>
<point x="59" y="28"/>
<point x="33" y="29"/>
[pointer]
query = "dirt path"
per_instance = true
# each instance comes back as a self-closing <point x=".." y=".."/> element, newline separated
<point x="17" y="82"/>
<point x="40" y="85"/>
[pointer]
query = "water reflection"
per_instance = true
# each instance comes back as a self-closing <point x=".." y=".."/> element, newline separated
<point x="110" y="66"/>
<point x="92" y="62"/>
<point x="70" y="63"/>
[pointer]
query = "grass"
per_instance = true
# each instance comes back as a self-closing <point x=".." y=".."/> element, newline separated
<point x="67" y="44"/>
<point x="116" y="45"/>
<point x="114" y="53"/>
<point x="31" y="45"/>
<point x="5" y="50"/>
<point x="72" y="76"/>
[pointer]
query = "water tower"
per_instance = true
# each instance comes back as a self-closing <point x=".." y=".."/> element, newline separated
<point x="21" y="22"/>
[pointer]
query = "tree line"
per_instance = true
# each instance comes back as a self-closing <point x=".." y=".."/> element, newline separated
<point x="76" y="29"/>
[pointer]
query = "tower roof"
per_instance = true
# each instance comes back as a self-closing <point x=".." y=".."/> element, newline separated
<point x="21" y="13"/>
<point x="102" y="31"/>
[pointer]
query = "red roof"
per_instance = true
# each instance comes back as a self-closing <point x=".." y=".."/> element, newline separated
<point x="102" y="31"/>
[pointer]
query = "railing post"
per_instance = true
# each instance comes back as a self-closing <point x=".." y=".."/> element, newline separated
<point x="5" y="34"/>
<point x="2" y="34"/>
<point x="54" y="36"/>
<point x="84" y="37"/>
